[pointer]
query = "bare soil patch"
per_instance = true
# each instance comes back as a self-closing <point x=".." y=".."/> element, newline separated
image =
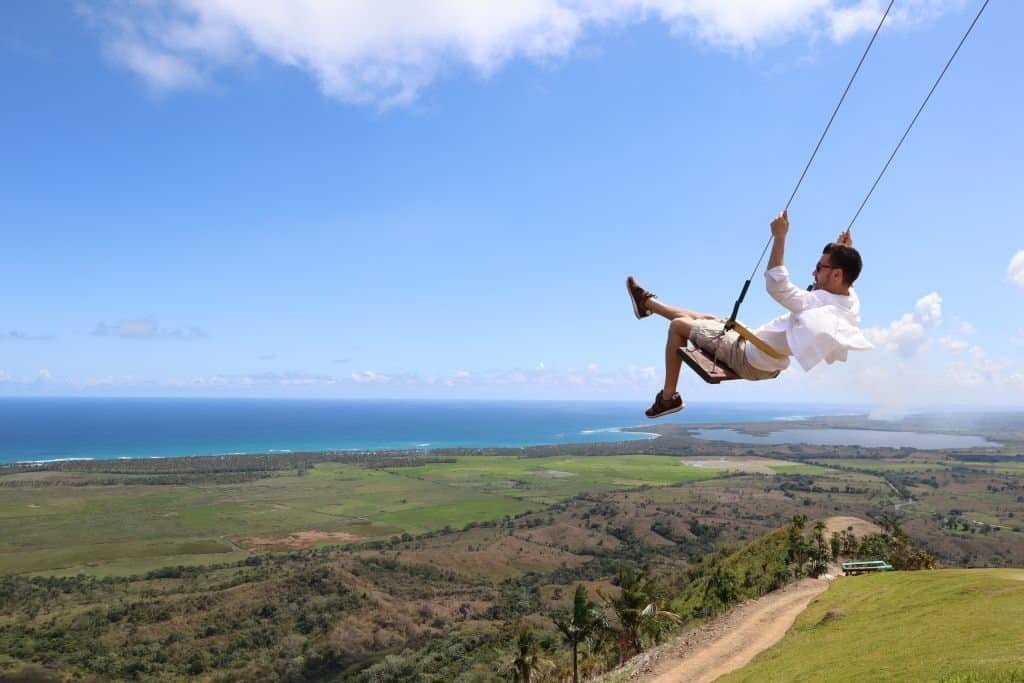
<point x="737" y="464"/>
<point x="861" y="527"/>
<point x="298" y="540"/>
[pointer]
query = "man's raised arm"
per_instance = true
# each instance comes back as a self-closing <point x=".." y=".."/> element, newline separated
<point x="777" y="281"/>
<point x="780" y="227"/>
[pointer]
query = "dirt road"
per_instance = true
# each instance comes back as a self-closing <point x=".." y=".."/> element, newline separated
<point x="758" y="625"/>
<point x="730" y="642"/>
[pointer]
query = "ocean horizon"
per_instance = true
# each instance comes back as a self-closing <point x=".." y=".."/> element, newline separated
<point x="47" y="429"/>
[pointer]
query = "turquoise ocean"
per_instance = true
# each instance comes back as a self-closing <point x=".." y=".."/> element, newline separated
<point x="56" y="428"/>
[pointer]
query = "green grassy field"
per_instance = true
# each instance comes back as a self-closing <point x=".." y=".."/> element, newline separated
<point x="547" y="480"/>
<point x="126" y="528"/>
<point x="905" y="626"/>
<point x="811" y="470"/>
<point x="884" y="466"/>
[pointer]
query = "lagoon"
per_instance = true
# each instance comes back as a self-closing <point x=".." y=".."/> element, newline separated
<point x="868" y="438"/>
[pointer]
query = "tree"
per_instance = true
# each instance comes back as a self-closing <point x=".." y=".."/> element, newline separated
<point x="889" y="522"/>
<point x="525" y="658"/>
<point x="850" y="543"/>
<point x="894" y="545"/>
<point x="836" y="545"/>
<point x="722" y="590"/>
<point x="636" y="607"/>
<point x="821" y="552"/>
<point x="797" y="551"/>
<point x="585" y="619"/>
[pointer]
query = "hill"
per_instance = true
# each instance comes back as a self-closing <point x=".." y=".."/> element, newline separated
<point x="953" y="625"/>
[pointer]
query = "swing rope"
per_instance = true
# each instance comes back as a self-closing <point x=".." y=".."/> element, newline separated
<point x="919" y="110"/>
<point x="731" y="323"/>
<point x="746" y="285"/>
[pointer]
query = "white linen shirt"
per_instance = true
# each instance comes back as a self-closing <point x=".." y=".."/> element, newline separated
<point x="819" y="326"/>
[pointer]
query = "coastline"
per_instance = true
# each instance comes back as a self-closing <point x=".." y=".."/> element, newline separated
<point x="425" y="449"/>
<point x="41" y="431"/>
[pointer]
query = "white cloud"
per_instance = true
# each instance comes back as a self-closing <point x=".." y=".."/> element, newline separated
<point x="909" y="333"/>
<point x="141" y="328"/>
<point x="1015" y="272"/>
<point x="982" y="371"/>
<point x="928" y="309"/>
<point x="387" y="51"/>
<point x="965" y="327"/>
<point x="848" y="21"/>
<point x="904" y="335"/>
<point x="161" y="69"/>
<point x="953" y="344"/>
<point x="896" y="378"/>
<point x="293" y="378"/>
<point x="894" y="386"/>
<point x="369" y="376"/>
<point x="211" y="381"/>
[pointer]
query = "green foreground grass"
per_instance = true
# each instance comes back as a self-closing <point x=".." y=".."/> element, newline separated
<point x="127" y="529"/>
<point x="948" y="625"/>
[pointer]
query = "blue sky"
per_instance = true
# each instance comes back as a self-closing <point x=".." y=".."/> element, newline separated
<point x="442" y="199"/>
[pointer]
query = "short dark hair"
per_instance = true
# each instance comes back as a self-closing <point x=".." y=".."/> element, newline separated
<point x="845" y="258"/>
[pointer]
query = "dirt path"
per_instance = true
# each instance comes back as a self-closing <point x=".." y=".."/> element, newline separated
<point x="731" y="641"/>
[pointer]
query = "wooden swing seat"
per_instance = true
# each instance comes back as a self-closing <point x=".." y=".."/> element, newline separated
<point x="701" y="362"/>
<point x="715" y="371"/>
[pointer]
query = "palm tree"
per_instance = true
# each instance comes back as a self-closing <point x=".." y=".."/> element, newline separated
<point x="797" y="552"/>
<point x="821" y="549"/>
<point x="525" y="657"/>
<point x="637" y="609"/>
<point x="585" y="619"/>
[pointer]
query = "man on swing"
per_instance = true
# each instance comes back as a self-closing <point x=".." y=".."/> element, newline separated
<point x="821" y="323"/>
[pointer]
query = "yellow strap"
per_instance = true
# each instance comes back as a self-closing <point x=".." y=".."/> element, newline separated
<point x="756" y="341"/>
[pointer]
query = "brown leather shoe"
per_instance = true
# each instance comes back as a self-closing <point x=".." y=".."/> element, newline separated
<point x="638" y="296"/>
<point x="665" y="407"/>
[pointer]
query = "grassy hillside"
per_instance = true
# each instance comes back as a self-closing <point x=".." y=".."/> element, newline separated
<point x="750" y="572"/>
<point x="948" y="625"/>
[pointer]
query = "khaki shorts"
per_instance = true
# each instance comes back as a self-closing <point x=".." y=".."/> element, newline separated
<point x="730" y="347"/>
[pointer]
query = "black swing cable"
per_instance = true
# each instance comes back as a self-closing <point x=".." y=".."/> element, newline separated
<point x="746" y="285"/>
<point x="919" y="110"/>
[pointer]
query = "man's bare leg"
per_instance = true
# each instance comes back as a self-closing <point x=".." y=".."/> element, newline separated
<point x="645" y="303"/>
<point x="680" y="323"/>
<point x="673" y="312"/>
<point x="678" y="334"/>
